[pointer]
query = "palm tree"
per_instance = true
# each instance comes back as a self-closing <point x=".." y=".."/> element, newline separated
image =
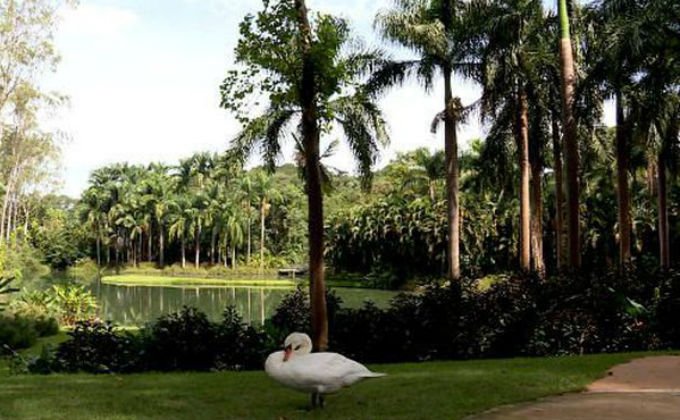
<point x="568" y="77"/>
<point x="308" y="66"/>
<point x="435" y="30"/>
<point x="246" y="185"/>
<point x="263" y="184"/>
<point x="159" y="198"/>
<point x="514" y="29"/>
<point x="180" y="220"/>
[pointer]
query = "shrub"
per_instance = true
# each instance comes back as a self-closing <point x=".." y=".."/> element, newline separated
<point x="34" y="304"/>
<point x="45" y="327"/>
<point x="240" y="345"/>
<point x="666" y="310"/>
<point x="16" y="332"/>
<point x="185" y="340"/>
<point x="75" y="303"/>
<point x="96" y="347"/>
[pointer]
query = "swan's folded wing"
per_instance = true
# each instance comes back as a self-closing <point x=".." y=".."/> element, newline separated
<point x="330" y="369"/>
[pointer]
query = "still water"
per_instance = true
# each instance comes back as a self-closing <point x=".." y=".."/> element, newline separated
<point x="136" y="305"/>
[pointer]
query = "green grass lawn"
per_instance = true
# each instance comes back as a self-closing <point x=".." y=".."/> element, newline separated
<point x="433" y="390"/>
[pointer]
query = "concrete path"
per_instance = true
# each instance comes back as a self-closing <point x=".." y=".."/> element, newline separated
<point x="647" y="388"/>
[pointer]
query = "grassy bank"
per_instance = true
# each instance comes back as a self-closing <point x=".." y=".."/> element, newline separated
<point x="166" y="280"/>
<point x="448" y="390"/>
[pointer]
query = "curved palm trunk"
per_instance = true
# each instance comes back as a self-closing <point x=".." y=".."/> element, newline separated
<point x="452" y="196"/>
<point x="664" y="242"/>
<point x="623" y="188"/>
<point x="310" y="137"/>
<point x="524" y="191"/>
<point x="559" y="196"/>
<point x="570" y="140"/>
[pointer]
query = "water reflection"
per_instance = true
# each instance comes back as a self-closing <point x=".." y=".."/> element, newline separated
<point x="136" y="305"/>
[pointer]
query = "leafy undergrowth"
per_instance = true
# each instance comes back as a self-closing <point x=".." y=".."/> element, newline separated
<point x="449" y="390"/>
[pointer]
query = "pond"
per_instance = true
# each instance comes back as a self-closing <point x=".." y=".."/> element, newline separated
<point x="136" y="305"/>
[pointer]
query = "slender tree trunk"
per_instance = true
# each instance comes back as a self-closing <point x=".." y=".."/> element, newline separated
<point x="233" y="257"/>
<point x="570" y="141"/>
<point x="664" y="241"/>
<point x="310" y="136"/>
<point x="184" y="253"/>
<point x="537" y="261"/>
<point x="26" y="215"/>
<point x="262" y="216"/>
<point x="559" y="197"/>
<point x="149" y="245"/>
<point x="250" y="222"/>
<point x="197" y="247"/>
<point x="5" y="205"/>
<point x="141" y="246"/>
<point x="432" y="192"/>
<point x="161" y="246"/>
<point x="524" y="190"/>
<point x="452" y="196"/>
<point x="212" y="246"/>
<point x="623" y="188"/>
<point x="99" y="247"/>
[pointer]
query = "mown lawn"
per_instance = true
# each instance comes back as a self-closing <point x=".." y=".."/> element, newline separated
<point x="433" y="390"/>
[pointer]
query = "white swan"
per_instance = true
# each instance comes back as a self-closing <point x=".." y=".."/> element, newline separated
<point x="317" y="373"/>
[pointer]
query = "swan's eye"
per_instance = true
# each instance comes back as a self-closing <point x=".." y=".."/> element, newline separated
<point x="297" y="348"/>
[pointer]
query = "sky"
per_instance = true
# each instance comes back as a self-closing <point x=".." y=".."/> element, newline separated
<point x="143" y="80"/>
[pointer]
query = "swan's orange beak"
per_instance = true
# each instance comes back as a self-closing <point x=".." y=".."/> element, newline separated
<point x="287" y="352"/>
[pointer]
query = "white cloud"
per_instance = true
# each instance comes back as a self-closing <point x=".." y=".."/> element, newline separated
<point x="96" y="20"/>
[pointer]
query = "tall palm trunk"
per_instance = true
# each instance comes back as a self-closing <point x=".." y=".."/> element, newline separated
<point x="250" y="235"/>
<point x="536" y="162"/>
<point x="263" y="205"/>
<point x="452" y="196"/>
<point x="213" y="238"/>
<point x="99" y="249"/>
<point x="664" y="242"/>
<point x="184" y="253"/>
<point x="233" y="257"/>
<point x="149" y="245"/>
<point x="161" y="247"/>
<point x="622" y="186"/>
<point x="140" y="245"/>
<point x="567" y="73"/>
<point x="310" y="136"/>
<point x="524" y="174"/>
<point x="559" y="196"/>
<point x="197" y="246"/>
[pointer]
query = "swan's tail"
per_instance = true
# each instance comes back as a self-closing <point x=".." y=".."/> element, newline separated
<point x="373" y="375"/>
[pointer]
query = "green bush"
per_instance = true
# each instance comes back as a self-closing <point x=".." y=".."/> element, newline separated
<point x="20" y="332"/>
<point x="34" y="304"/>
<point x="75" y="303"/>
<point x="17" y="332"/>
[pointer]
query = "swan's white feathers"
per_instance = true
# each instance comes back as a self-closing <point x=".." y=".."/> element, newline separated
<point x="316" y="372"/>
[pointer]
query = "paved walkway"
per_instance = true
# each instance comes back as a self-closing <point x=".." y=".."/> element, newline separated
<point x="647" y="388"/>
